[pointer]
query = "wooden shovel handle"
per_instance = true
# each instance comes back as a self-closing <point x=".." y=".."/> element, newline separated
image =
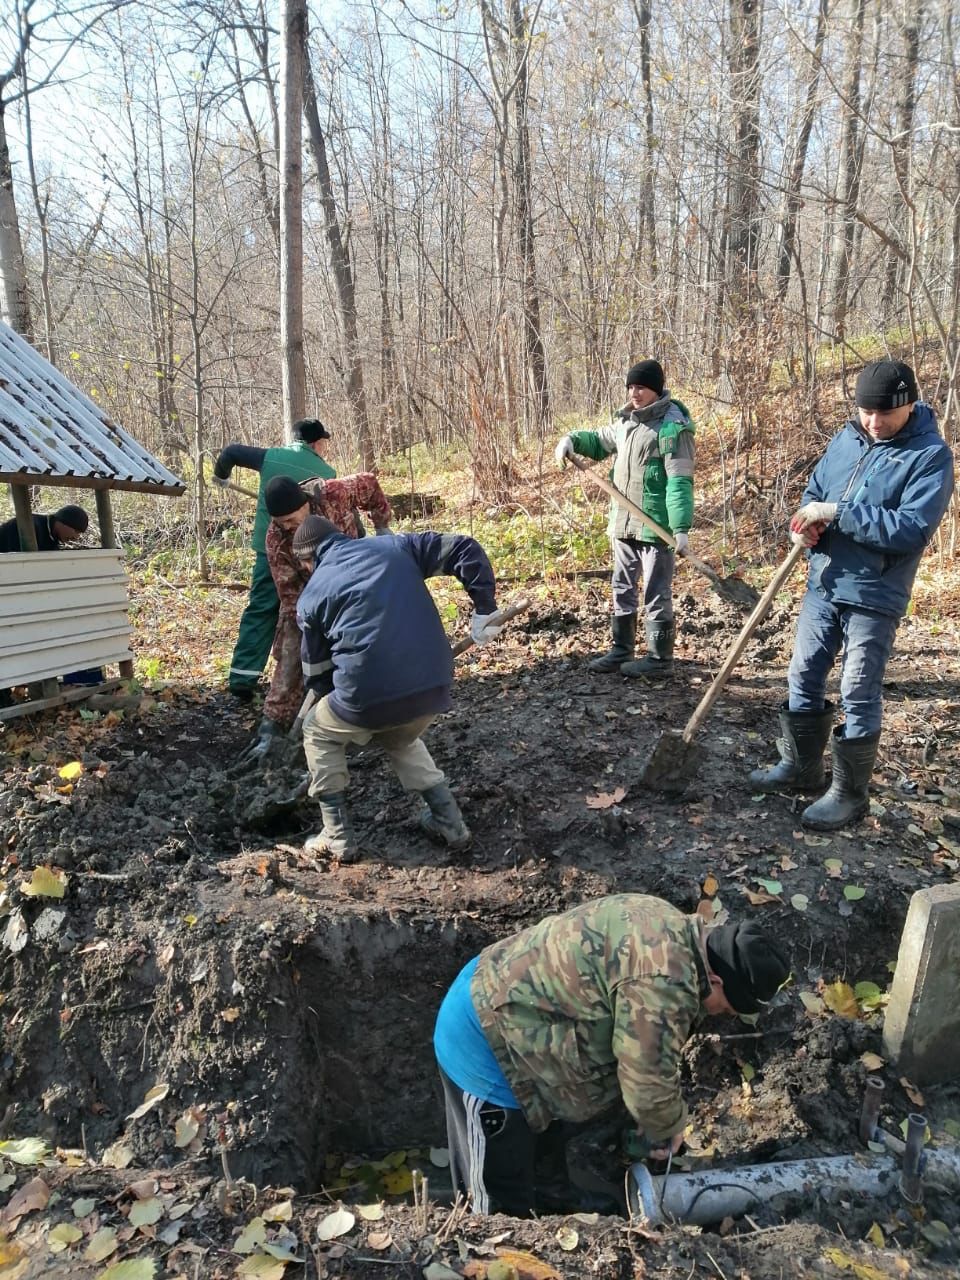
<point x="496" y="619"/>
<point x="239" y="488"/>
<point x="641" y="515"/>
<point x="749" y="627"/>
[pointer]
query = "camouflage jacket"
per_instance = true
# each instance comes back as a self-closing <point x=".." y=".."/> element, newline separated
<point x="335" y="500"/>
<point x="592" y="1005"/>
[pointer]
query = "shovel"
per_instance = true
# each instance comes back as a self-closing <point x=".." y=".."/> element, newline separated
<point x="675" y="759"/>
<point x="733" y="590"/>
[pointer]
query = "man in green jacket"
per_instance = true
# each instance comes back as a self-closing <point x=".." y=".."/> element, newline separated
<point x="652" y="437"/>
<point x="563" y="1019"/>
<point x="302" y="460"/>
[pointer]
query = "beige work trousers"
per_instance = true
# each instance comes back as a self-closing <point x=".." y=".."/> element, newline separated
<point x="326" y="738"/>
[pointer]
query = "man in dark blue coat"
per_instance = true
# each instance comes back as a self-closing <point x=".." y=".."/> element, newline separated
<point x="375" y="652"/>
<point x="873" y="503"/>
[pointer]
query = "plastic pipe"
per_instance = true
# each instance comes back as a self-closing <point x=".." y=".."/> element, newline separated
<point x="912" y="1157"/>
<point x="870" y="1114"/>
<point x="701" y="1198"/>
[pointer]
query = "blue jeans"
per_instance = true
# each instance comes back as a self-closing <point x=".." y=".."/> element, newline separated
<point x="866" y="638"/>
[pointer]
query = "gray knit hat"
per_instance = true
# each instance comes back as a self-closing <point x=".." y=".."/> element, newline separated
<point x="313" y="531"/>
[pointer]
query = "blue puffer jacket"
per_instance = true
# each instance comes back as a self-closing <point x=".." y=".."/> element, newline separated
<point x="370" y="625"/>
<point x="890" y="495"/>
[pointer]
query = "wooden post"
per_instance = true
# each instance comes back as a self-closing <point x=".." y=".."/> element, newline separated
<point x="108" y="537"/>
<point x="21" y="505"/>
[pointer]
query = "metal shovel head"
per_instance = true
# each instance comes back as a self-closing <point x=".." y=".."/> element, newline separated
<point x="733" y="590"/>
<point x="673" y="763"/>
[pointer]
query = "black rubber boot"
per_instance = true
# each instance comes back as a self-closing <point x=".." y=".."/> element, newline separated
<point x="658" y="660"/>
<point x="803" y="740"/>
<point x="337" y="836"/>
<point x="442" y="819"/>
<point x="623" y="628"/>
<point x="848" y="799"/>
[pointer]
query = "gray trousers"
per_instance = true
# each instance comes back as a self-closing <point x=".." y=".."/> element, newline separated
<point x="633" y="560"/>
<point x="326" y="738"/>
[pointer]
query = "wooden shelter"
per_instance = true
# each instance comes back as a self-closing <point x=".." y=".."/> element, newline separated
<point x="61" y="611"/>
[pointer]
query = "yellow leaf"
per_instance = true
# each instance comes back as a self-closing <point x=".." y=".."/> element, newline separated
<point x="262" y="1266"/>
<point x="45" y="883"/>
<point x="839" y="997"/>
<point x="528" y="1265"/>
<point x="871" y="1061"/>
<point x="862" y="1270"/>
<point x="24" y="1150"/>
<point x="186" y="1128"/>
<point x="102" y="1244"/>
<point x="70" y="772"/>
<point x="710" y="885"/>
<point x="875" y="1235"/>
<point x="568" y="1239"/>
<point x="281" y="1212"/>
<point x="251" y="1237"/>
<point x="370" y="1212"/>
<point x="130" y="1269"/>
<point x="62" y="1236"/>
<point x="397" y="1182"/>
<point x="150" y="1100"/>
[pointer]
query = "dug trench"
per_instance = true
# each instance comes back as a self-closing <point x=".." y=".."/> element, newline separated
<point x="285" y="1008"/>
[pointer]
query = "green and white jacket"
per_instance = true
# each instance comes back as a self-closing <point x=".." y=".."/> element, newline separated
<point x="653" y="468"/>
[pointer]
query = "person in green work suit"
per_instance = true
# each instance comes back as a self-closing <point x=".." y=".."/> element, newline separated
<point x="302" y="460"/>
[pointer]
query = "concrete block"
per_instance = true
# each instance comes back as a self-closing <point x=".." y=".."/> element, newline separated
<point x="921" y="1029"/>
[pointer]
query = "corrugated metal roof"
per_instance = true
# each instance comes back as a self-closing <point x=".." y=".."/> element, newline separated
<point x="49" y="430"/>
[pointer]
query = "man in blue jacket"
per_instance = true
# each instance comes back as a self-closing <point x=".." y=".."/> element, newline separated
<point x="873" y="503"/>
<point x="375" y="652"/>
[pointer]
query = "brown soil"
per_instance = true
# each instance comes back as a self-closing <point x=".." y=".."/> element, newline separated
<point x="291" y="1005"/>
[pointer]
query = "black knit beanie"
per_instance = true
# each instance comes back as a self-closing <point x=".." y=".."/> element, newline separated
<point x="310" y="430"/>
<point x="752" y="966"/>
<point x="282" y="495"/>
<point x="313" y="531"/>
<point x="886" y="384"/>
<point x="73" y="517"/>
<point x="648" y="373"/>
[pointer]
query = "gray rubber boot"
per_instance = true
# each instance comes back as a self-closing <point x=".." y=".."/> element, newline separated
<point x="442" y="819"/>
<point x="337" y="836"/>
<point x="848" y="799"/>
<point x="802" y="742"/>
<point x="658" y="660"/>
<point x="623" y="629"/>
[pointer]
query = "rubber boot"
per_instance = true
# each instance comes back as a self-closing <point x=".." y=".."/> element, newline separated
<point x="848" y="798"/>
<point x="658" y="660"/>
<point x="623" y="628"/>
<point x="802" y="742"/>
<point x="337" y="836"/>
<point x="442" y="819"/>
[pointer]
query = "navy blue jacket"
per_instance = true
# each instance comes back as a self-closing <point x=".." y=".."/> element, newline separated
<point x="370" y="625"/>
<point x="890" y="496"/>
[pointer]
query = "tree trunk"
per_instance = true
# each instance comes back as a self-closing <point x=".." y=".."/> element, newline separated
<point x="14" y="299"/>
<point x="293" y="52"/>
<point x="851" y="159"/>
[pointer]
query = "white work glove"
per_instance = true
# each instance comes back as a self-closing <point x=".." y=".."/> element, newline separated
<point x="813" y="513"/>
<point x="220" y="482"/>
<point x="564" y="450"/>
<point x="481" y="629"/>
<point x="683" y="541"/>
<point x="808" y="537"/>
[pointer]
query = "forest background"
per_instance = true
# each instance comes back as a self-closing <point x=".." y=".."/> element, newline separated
<point x="505" y="203"/>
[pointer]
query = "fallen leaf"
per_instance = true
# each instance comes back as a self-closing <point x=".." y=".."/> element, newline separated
<point x="82" y="1207"/>
<point x="380" y="1240"/>
<point x="263" y="1267"/>
<point x="231" y="1014"/>
<point x="165" y="956"/>
<point x="32" y="1195"/>
<point x="398" y="1182"/>
<point x="912" y="1092"/>
<point x="370" y="1212"/>
<point x="710" y="885"/>
<point x="875" y="1235"/>
<point x="758" y="899"/>
<point x="747" y="1072"/>
<point x="862" y="1270"/>
<point x="872" y="1061"/>
<point x="187" y="1127"/>
<point x="145" y="1189"/>
<point x="102" y="1244"/>
<point x="787" y="863"/>
<point x="251" y="1237"/>
<point x="568" y="1239"/>
<point x="7" y="1180"/>
<point x="937" y="1232"/>
<point x="499" y="1269"/>
<point x="16" y="935"/>
<point x="812" y="1004"/>
<point x="45" y="882"/>
<point x="606" y="799"/>
<point x="705" y="910"/>
<point x="151" y="1099"/>
<point x="839" y="997"/>
<point x="336" y="1224"/>
<point x="440" y="1157"/>
<point x="853" y="892"/>
<point x="771" y="886"/>
<point x="440" y="1271"/>
<point x="280" y="1212"/>
<point x="834" y="868"/>
<point x="118" y="1155"/>
<point x="815" y="842"/>
<point x="24" y="1150"/>
<point x="70" y="772"/>
<point x="63" y="1236"/>
<point x="130" y="1269"/>
<point x="528" y="1265"/>
<point x="799" y="902"/>
<point x="145" y="1212"/>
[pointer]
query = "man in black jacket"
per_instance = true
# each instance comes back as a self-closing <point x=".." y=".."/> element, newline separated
<point x="69" y="524"/>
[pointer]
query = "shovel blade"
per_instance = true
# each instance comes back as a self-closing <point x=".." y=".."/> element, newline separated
<point x="672" y="764"/>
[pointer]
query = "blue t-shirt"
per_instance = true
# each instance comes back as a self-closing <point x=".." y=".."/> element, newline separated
<point x="463" y="1050"/>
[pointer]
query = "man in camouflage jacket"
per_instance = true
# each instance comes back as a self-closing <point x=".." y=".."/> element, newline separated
<point x="288" y="505"/>
<point x="560" y="1021"/>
